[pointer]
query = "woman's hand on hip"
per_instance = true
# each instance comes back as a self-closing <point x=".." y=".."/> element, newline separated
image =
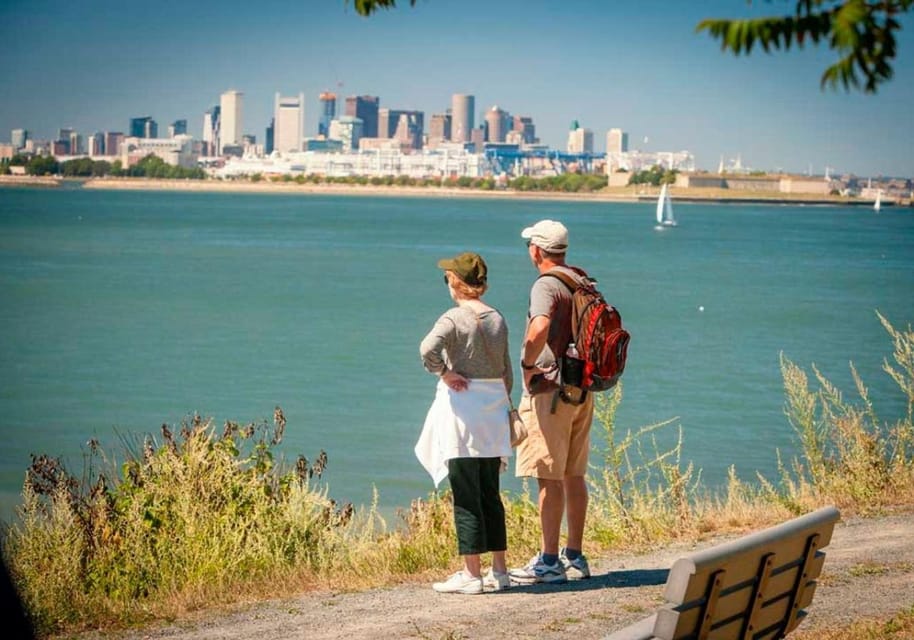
<point x="455" y="381"/>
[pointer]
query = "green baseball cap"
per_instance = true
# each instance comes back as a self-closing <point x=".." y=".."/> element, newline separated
<point x="469" y="267"/>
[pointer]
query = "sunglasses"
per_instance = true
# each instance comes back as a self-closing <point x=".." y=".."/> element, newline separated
<point x="445" y="281"/>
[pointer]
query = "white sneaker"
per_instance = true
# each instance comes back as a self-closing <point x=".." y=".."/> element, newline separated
<point x="496" y="581"/>
<point x="538" y="571"/>
<point x="460" y="582"/>
<point x="575" y="568"/>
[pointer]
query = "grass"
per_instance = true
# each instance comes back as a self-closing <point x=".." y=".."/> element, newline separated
<point x="202" y="516"/>
<point x="898" y="627"/>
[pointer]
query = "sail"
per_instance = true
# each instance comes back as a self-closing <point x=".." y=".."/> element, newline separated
<point x="668" y="211"/>
<point x="878" y="204"/>
<point x="660" y="205"/>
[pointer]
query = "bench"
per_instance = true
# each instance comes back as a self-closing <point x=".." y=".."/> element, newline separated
<point x="756" y="587"/>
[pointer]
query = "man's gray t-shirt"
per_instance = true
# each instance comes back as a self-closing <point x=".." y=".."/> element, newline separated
<point x="551" y="298"/>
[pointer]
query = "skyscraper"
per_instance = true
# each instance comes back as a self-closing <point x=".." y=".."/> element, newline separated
<point x="524" y="125"/>
<point x="231" y="129"/>
<point x="113" y="140"/>
<point x="288" y="123"/>
<point x="144" y="127"/>
<point x="19" y="137"/>
<point x="462" y="119"/>
<point x="580" y="140"/>
<point x="96" y="144"/>
<point x="366" y="109"/>
<point x="268" y="138"/>
<point x="177" y="128"/>
<point x="497" y="121"/>
<point x="212" y="121"/>
<point x="327" y="113"/>
<point x="439" y="128"/>
<point x="616" y="141"/>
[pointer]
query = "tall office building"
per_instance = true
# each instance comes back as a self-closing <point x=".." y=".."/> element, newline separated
<point x="212" y="121"/>
<point x="439" y="129"/>
<point x="497" y="120"/>
<point x="144" y="127"/>
<point x="231" y="127"/>
<point x="113" y="140"/>
<point x="327" y="113"/>
<point x="96" y="144"/>
<point x="177" y="128"/>
<point x="365" y="108"/>
<point x="525" y="127"/>
<point x="580" y="140"/>
<point x="268" y="138"/>
<point x="288" y="123"/>
<point x="463" y="107"/>
<point x="18" y="138"/>
<point x="616" y="141"/>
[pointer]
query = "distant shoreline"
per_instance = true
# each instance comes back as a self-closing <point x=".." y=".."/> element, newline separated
<point x="621" y="194"/>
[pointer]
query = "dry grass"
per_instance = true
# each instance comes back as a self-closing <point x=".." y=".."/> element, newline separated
<point x="898" y="627"/>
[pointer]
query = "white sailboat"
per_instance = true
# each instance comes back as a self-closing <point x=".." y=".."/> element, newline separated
<point x="665" y="210"/>
<point x="878" y="204"/>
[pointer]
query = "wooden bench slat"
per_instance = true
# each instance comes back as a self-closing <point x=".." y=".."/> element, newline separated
<point x="712" y="594"/>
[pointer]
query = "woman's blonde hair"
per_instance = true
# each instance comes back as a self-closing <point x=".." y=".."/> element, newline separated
<point x="464" y="290"/>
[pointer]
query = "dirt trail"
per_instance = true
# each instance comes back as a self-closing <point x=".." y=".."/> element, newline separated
<point x="869" y="572"/>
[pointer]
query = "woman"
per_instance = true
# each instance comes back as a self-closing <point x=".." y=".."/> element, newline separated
<point x="466" y="432"/>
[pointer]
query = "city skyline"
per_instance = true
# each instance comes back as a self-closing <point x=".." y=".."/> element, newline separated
<point x="642" y="70"/>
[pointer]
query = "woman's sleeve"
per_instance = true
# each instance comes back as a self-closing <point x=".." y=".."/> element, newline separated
<point x="509" y="370"/>
<point x="433" y="347"/>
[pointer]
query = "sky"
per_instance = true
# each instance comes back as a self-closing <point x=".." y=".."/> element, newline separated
<point x="639" y="66"/>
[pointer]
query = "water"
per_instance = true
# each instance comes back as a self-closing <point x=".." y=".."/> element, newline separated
<point x="121" y="311"/>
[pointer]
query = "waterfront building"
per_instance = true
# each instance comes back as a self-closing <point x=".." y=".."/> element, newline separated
<point x="7" y="151"/>
<point x="616" y="141"/>
<point x="580" y="140"/>
<point x="366" y="109"/>
<point x="60" y="148"/>
<point x="177" y="128"/>
<point x="212" y="122"/>
<point x="449" y="161"/>
<point x="113" y="140"/>
<point x="177" y="151"/>
<point x="348" y="130"/>
<point x="327" y="113"/>
<point x="18" y="138"/>
<point x="95" y="144"/>
<point x="497" y="120"/>
<point x="288" y="123"/>
<point x="268" y="138"/>
<point x="231" y="116"/>
<point x="463" y="107"/>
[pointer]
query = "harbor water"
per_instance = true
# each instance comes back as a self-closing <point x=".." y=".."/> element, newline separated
<point x="121" y="311"/>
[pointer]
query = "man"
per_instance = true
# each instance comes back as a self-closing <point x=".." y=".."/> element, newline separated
<point x="557" y="416"/>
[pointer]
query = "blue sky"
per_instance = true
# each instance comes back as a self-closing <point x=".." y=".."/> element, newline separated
<point x="640" y="66"/>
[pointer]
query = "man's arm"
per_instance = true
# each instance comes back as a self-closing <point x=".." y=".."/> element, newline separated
<point x="534" y="343"/>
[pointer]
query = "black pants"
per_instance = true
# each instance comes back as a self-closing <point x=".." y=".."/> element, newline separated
<point x="479" y="515"/>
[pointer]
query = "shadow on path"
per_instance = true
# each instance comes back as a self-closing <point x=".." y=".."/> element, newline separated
<point x="611" y="580"/>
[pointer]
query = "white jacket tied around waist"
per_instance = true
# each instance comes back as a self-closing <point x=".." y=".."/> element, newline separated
<point x="464" y="424"/>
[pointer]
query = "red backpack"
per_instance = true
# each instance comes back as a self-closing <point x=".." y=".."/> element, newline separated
<point x="597" y="336"/>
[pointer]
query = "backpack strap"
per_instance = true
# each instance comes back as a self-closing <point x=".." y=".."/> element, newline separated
<point x="566" y="279"/>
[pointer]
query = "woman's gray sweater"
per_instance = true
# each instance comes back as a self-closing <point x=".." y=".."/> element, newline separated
<point x="474" y="349"/>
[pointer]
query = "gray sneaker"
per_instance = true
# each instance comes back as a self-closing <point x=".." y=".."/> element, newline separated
<point x="577" y="568"/>
<point x="538" y="571"/>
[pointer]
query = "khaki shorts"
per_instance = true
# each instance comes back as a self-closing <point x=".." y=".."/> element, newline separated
<point x="557" y="444"/>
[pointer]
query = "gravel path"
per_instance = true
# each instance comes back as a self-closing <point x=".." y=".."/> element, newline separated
<point x="869" y="572"/>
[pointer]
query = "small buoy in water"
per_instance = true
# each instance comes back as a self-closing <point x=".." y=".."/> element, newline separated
<point x="701" y="307"/>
